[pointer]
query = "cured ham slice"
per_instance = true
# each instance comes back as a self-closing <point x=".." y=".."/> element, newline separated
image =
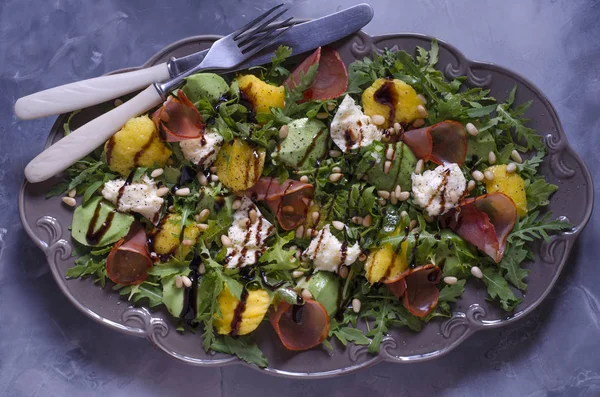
<point x="444" y="142"/>
<point x="485" y="222"/>
<point x="418" y="288"/>
<point x="178" y="119"/>
<point x="129" y="260"/>
<point x="331" y="79"/>
<point x="300" y="327"/>
<point x="288" y="200"/>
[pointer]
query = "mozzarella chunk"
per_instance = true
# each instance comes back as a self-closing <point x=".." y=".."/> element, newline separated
<point x="248" y="241"/>
<point x="327" y="252"/>
<point x="139" y="196"/>
<point x="202" y="151"/>
<point x="351" y="128"/>
<point x="439" y="190"/>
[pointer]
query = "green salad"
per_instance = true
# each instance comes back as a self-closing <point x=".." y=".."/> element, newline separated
<point x="331" y="203"/>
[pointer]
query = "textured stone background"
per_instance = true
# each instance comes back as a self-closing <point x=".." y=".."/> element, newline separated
<point x="48" y="348"/>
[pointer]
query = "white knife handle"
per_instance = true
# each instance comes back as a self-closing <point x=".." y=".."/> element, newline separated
<point x="88" y="137"/>
<point x="81" y="94"/>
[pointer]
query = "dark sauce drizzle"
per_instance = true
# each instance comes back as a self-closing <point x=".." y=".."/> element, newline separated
<point x="238" y="313"/>
<point x="386" y="96"/>
<point x="190" y="294"/>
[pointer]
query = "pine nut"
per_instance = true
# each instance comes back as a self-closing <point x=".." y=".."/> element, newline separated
<point x="404" y="196"/>
<point x="185" y="280"/>
<point x="335" y="177"/>
<point x="336" y="170"/>
<point x="398" y="190"/>
<point x="304" y="179"/>
<point x="187" y="242"/>
<point x="378" y="119"/>
<point x="306" y="294"/>
<point x="418" y="123"/>
<point x="202" y="227"/>
<point x="331" y="106"/>
<point x="343" y="272"/>
<point x="412" y="224"/>
<point x="157" y="172"/>
<point x="70" y="201"/>
<point x="171" y="208"/>
<point x="471" y="129"/>
<point x="471" y="185"/>
<point x="356" y="305"/>
<point x="390" y="153"/>
<point x="283" y="132"/>
<point x="489" y="175"/>
<point x="335" y="153"/>
<point x="214" y="178"/>
<point x="213" y="169"/>
<point x="477" y="175"/>
<point x="403" y="214"/>
<point x="422" y="111"/>
<point x="297" y="273"/>
<point x="202" y="179"/>
<point x="178" y="282"/>
<point x="382" y="202"/>
<point x="204" y="214"/>
<point x="161" y="191"/>
<point x="118" y="102"/>
<point x="476" y="271"/>
<point x="184" y="191"/>
<point x="383" y="194"/>
<point x="338" y="225"/>
<point x="72" y="193"/>
<point x="419" y="167"/>
<point x="243" y="223"/>
<point x="492" y="158"/>
<point x="362" y="257"/>
<point x="422" y="99"/>
<point x="322" y="115"/>
<point x="202" y="268"/>
<point x="387" y="166"/>
<point x="300" y="231"/>
<point x="367" y="220"/>
<point x="315" y="217"/>
<point x="450" y="280"/>
<point x="252" y="215"/>
<point x="309" y="232"/>
<point x="453" y="196"/>
<point x="512" y="167"/>
<point x="236" y="204"/>
<point x="226" y="241"/>
<point x="397" y="127"/>
<point x="516" y="156"/>
<point x="393" y="198"/>
<point x="357" y="220"/>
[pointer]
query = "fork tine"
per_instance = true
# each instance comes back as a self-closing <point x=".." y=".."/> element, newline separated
<point x="247" y="35"/>
<point x="255" y="21"/>
<point x="265" y="41"/>
<point x="257" y="39"/>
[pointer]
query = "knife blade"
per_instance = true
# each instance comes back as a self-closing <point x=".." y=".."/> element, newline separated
<point x="301" y="38"/>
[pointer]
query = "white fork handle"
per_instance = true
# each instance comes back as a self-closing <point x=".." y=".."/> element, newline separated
<point x="81" y="94"/>
<point x="88" y="137"/>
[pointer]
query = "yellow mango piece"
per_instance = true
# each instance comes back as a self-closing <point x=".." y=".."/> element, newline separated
<point x="257" y="304"/>
<point x="510" y="184"/>
<point x="137" y="144"/>
<point x="385" y="263"/>
<point x="239" y="165"/>
<point x="399" y="95"/>
<point x="167" y="241"/>
<point x="261" y="95"/>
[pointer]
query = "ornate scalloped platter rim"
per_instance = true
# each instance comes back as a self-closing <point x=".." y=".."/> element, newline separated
<point x="143" y="323"/>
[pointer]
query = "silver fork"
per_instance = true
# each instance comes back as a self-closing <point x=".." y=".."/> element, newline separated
<point x="224" y="54"/>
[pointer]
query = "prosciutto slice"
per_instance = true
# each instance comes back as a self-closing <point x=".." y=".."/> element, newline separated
<point x="288" y="200"/>
<point x="331" y="79"/>
<point x="178" y="119"/>
<point x="485" y="222"/>
<point x="129" y="260"/>
<point x="418" y="288"/>
<point x="300" y="327"/>
<point x="444" y="142"/>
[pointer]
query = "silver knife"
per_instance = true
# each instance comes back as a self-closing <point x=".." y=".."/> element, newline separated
<point x="301" y="38"/>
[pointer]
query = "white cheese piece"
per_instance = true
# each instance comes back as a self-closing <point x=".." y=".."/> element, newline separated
<point x="326" y="251"/>
<point x="351" y="128"/>
<point x="247" y="242"/>
<point x="139" y="196"/>
<point x="202" y="151"/>
<point x="439" y="190"/>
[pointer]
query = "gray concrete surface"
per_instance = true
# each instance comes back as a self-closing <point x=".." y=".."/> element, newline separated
<point x="48" y="348"/>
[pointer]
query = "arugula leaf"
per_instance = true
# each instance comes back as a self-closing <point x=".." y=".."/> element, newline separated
<point x="498" y="289"/>
<point x="279" y="258"/>
<point x="512" y="119"/>
<point x="347" y="334"/>
<point x="538" y="193"/>
<point x="243" y="347"/>
<point x="208" y="306"/>
<point x="146" y="290"/>
<point x="529" y="168"/>
<point x="89" y="265"/>
<point x="511" y="263"/>
<point x="449" y="293"/>
<point x="533" y="227"/>
<point x="86" y="173"/>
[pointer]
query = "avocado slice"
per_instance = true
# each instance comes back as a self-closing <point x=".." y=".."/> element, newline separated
<point x="205" y="85"/>
<point x="305" y="143"/>
<point x="373" y="164"/>
<point x="325" y="289"/>
<point x="116" y="227"/>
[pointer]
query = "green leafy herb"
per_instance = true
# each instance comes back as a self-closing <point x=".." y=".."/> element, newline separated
<point x="243" y="347"/>
<point x="538" y="193"/>
<point x="533" y="227"/>
<point x="498" y="289"/>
